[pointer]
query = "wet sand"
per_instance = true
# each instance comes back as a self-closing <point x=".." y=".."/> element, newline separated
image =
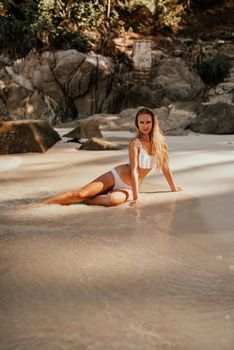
<point x="160" y="276"/>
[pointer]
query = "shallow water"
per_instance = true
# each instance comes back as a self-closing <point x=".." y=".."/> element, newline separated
<point x="160" y="276"/>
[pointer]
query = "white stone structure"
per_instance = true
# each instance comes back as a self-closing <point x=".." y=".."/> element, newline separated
<point x="142" y="54"/>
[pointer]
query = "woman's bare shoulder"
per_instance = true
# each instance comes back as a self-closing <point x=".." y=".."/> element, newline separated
<point x="133" y="141"/>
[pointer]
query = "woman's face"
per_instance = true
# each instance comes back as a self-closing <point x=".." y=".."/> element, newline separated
<point x="145" y="123"/>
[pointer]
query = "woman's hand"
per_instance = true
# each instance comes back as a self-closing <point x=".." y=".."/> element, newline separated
<point x="176" y="189"/>
<point x="134" y="203"/>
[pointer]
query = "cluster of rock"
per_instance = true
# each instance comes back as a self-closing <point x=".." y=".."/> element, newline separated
<point x="56" y="86"/>
<point x="89" y="129"/>
<point x="65" y="86"/>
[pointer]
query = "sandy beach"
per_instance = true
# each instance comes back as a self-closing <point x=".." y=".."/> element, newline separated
<point x="159" y="276"/>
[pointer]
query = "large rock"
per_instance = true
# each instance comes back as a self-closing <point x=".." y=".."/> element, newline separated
<point x="91" y="85"/>
<point x="67" y="62"/>
<point x="223" y="92"/>
<point x="169" y="82"/>
<point x="39" y="70"/>
<point x="20" y="100"/>
<point x="178" y="81"/>
<point x="175" y="119"/>
<point x="26" y="136"/>
<point x="85" y="129"/>
<point x="96" y="144"/>
<point x="216" y="118"/>
<point x="67" y="85"/>
<point x="69" y="77"/>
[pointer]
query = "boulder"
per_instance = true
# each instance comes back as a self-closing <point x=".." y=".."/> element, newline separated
<point x="169" y="82"/>
<point x="217" y="118"/>
<point x="96" y="144"/>
<point x="175" y="119"/>
<point x="66" y="85"/>
<point x="26" y="136"/>
<point x="106" y="121"/>
<point x="67" y="62"/>
<point x="39" y="70"/>
<point x="91" y="84"/>
<point x="85" y="129"/>
<point x="178" y="81"/>
<point x="20" y="100"/>
<point x="69" y="78"/>
<point x="223" y="92"/>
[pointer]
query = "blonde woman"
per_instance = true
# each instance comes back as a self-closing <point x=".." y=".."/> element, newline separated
<point x="147" y="149"/>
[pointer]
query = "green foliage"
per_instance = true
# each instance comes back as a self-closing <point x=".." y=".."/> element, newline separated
<point x="65" y="21"/>
<point x="214" y="70"/>
<point x="83" y="14"/>
<point x="65" y="39"/>
<point x="170" y="14"/>
<point x="62" y="24"/>
<point x="136" y="17"/>
<point x="16" y="33"/>
<point x="47" y="24"/>
<point x="153" y="15"/>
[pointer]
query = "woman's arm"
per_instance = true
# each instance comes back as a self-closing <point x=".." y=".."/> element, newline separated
<point x="133" y="157"/>
<point x="168" y="175"/>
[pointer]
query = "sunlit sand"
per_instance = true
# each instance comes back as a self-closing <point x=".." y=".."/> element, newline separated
<point x="158" y="276"/>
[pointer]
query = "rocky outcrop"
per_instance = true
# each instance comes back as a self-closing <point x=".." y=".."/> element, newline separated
<point x="217" y="118"/>
<point x="19" y="99"/>
<point x="216" y="114"/>
<point x="72" y="83"/>
<point x="223" y="92"/>
<point x="26" y="136"/>
<point x="175" y="119"/>
<point x="169" y="81"/>
<point x="69" y="85"/>
<point x="178" y="82"/>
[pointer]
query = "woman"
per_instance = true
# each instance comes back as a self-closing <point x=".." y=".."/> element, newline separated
<point x="114" y="187"/>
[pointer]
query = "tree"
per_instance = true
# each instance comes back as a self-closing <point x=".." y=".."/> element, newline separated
<point x="16" y="32"/>
<point x="47" y="24"/>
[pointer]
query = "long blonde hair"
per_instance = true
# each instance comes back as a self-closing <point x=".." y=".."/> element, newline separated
<point x="158" y="143"/>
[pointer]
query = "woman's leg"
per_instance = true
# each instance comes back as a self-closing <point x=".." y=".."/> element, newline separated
<point x="100" y="185"/>
<point x="112" y="199"/>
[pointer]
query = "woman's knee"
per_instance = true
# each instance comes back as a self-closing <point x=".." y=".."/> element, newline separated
<point x="115" y="199"/>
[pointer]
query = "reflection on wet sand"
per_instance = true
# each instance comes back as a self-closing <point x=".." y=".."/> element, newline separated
<point x="140" y="274"/>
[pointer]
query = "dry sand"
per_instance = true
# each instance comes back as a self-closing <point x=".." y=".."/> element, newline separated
<point x="160" y="276"/>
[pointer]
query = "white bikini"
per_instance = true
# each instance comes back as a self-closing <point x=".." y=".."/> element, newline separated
<point x="145" y="161"/>
<point x="118" y="182"/>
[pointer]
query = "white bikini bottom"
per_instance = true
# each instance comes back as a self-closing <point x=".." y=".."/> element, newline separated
<point x="118" y="182"/>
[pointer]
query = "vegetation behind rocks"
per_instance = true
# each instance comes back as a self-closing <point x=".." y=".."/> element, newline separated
<point x="92" y="24"/>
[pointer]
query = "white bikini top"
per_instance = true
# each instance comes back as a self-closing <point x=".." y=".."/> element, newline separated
<point x="145" y="160"/>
